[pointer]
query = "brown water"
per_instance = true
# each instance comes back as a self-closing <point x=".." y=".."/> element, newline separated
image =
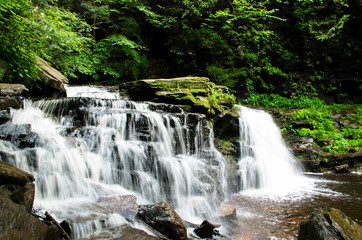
<point x="268" y="216"/>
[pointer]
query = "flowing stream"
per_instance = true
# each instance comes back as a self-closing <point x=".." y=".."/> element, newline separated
<point x="94" y="144"/>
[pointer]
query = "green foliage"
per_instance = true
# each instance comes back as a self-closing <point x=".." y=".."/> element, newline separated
<point x="28" y="31"/>
<point x="276" y="100"/>
<point x="222" y="97"/>
<point x="343" y="138"/>
<point x="323" y="19"/>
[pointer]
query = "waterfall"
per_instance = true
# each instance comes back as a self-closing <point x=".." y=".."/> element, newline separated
<point x="265" y="161"/>
<point x="87" y="148"/>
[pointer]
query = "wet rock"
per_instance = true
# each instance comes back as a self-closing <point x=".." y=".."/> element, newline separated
<point x="66" y="227"/>
<point x="229" y="216"/>
<point x="17" y="185"/>
<point x="19" y="134"/>
<point x="12" y="175"/>
<point x="164" y="219"/>
<point x="129" y="232"/>
<point x="125" y="205"/>
<point x="309" y="157"/>
<point x="16" y="201"/>
<point x="205" y="230"/>
<point x="9" y="102"/>
<point x="329" y="224"/>
<point x="122" y="233"/>
<point x="4" y="116"/>
<point x="17" y="223"/>
<point x="342" y="168"/>
<point x="11" y="90"/>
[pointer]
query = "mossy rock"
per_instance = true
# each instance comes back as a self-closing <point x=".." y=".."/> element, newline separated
<point x="330" y="224"/>
<point x="12" y="175"/>
<point x="188" y="91"/>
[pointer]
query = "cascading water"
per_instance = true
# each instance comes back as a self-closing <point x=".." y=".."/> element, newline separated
<point x="265" y="161"/>
<point x="90" y="148"/>
<point x="94" y="145"/>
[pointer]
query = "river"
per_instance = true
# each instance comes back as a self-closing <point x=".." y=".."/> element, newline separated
<point x="272" y="216"/>
<point x="103" y="146"/>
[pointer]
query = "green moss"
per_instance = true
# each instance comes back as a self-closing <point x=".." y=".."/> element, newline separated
<point x="198" y="92"/>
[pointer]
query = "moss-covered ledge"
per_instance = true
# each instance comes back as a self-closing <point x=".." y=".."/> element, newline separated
<point x="198" y="94"/>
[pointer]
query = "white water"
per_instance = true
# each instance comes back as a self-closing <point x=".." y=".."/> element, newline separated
<point x="266" y="163"/>
<point x="119" y="148"/>
<point x="105" y="146"/>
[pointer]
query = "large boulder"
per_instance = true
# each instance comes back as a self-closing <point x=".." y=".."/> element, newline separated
<point x="17" y="185"/>
<point x="164" y="219"/>
<point x="17" y="192"/>
<point x="51" y="81"/>
<point x="329" y="224"/>
<point x="11" y="90"/>
<point x="196" y="93"/>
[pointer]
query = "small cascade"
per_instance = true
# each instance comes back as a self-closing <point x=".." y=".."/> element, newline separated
<point x="265" y="161"/>
<point x="87" y="148"/>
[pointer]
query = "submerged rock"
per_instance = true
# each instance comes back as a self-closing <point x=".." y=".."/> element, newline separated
<point x="329" y="224"/>
<point x="164" y="219"/>
<point x="19" y="134"/>
<point x="125" y="205"/>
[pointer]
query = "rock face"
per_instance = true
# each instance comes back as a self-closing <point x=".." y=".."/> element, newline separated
<point x="329" y="224"/>
<point x="194" y="92"/>
<point x="163" y="219"/>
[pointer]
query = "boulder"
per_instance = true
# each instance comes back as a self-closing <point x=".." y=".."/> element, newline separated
<point x="12" y="90"/>
<point x="164" y="219"/>
<point x="125" y="205"/>
<point x="329" y="224"/>
<point x="205" y="230"/>
<point x="17" y="185"/>
<point x="229" y="216"/>
<point x="52" y="81"/>
<point x="9" y="102"/>
<point x="193" y="92"/>
<point x="17" y="221"/>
